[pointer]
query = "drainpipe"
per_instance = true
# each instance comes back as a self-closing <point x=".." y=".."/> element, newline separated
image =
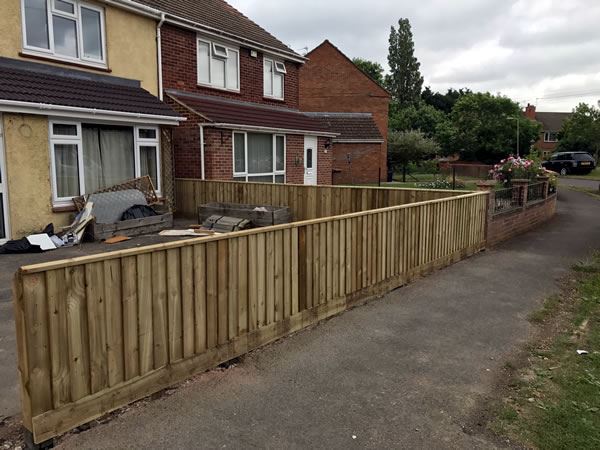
<point x="202" y="150"/>
<point x="159" y="56"/>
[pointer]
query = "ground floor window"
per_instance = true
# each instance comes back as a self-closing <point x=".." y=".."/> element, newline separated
<point x="259" y="157"/>
<point x="87" y="157"/>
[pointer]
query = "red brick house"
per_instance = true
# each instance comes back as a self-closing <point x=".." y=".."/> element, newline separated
<point x="237" y="86"/>
<point x="552" y="123"/>
<point x="330" y="81"/>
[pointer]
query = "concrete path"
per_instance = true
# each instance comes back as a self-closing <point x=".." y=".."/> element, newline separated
<point x="404" y="371"/>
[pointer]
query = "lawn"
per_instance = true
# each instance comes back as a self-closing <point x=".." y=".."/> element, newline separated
<point x="553" y="401"/>
<point x="593" y="175"/>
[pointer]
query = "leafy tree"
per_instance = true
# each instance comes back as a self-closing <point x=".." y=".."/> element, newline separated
<point x="443" y="102"/>
<point x="485" y="128"/>
<point x="405" y="147"/>
<point x="404" y="81"/>
<point x="581" y="131"/>
<point x="372" y="68"/>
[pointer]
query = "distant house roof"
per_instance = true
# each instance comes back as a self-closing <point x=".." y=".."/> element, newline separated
<point x="48" y="89"/>
<point x="227" y="113"/>
<point x="552" y="121"/>
<point x="220" y="16"/>
<point x="351" y="127"/>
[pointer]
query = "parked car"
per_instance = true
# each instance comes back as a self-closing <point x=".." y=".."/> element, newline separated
<point x="570" y="162"/>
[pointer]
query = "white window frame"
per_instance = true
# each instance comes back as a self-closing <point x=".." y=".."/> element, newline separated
<point x="213" y="54"/>
<point x="547" y="136"/>
<point x="78" y="140"/>
<point x="274" y="172"/>
<point x="283" y="73"/>
<point x="50" y="52"/>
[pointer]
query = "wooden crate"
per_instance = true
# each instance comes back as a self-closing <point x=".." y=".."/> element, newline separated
<point x="274" y="215"/>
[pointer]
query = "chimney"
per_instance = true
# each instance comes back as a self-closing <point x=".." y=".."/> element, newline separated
<point x="530" y="111"/>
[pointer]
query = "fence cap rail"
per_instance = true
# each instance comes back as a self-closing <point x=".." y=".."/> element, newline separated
<point x="307" y="186"/>
<point x="70" y="262"/>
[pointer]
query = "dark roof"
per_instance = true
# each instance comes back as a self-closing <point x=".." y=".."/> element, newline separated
<point x="552" y="121"/>
<point x="40" y="83"/>
<point x="220" y="15"/>
<point x="234" y="112"/>
<point x="350" y="126"/>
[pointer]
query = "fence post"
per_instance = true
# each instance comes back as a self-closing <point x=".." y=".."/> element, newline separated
<point x="488" y="186"/>
<point x="520" y="190"/>
<point x="546" y="180"/>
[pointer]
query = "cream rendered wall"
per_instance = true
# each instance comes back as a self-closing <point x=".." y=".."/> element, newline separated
<point x="130" y="42"/>
<point x="28" y="175"/>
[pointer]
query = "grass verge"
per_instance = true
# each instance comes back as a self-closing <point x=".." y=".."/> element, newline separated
<point x="593" y="175"/>
<point x="553" y="400"/>
<point x="591" y="192"/>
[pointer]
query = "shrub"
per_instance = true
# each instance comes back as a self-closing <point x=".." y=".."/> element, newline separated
<point x="514" y="168"/>
<point x="441" y="183"/>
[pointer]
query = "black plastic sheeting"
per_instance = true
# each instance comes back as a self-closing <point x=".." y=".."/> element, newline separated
<point x="23" y="245"/>
<point x="138" y="212"/>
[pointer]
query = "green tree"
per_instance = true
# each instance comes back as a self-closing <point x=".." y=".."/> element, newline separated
<point x="405" y="147"/>
<point x="485" y="128"/>
<point x="581" y="131"/>
<point x="404" y="81"/>
<point x="371" y="68"/>
<point x="443" y="102"/>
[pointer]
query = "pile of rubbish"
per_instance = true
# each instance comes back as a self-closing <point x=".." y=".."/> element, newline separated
<point x="113" y="214"/>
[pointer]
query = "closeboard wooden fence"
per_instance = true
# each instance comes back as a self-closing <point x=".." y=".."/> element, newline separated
<point x="98" y="332"/>
<point x="305" y="202"/>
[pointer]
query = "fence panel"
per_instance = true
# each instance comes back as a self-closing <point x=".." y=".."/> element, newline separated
<point x="305" y="202"/>
<point x="98" y="332"/>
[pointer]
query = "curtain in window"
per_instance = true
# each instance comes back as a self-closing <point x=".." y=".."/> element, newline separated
<point x="108" y="156"/>
<point x="148" y="163"/>
<point x="260" y="153"/>
<point x="67" y="171"/>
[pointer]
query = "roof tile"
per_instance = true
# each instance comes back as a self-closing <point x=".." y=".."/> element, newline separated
<point x="350" y="126"/>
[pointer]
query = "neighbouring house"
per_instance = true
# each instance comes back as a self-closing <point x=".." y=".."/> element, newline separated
<point x="237" y="86"/>
<point x="78" y="106"/>
<point x="330" y="83"/>
<point x="552" y="123"/>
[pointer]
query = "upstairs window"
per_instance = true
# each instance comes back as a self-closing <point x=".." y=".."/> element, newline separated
<point x="218" y="66"/>
<point x="550" y="136"/>
<point x="274" y="78"/>
<point x="67" y="29"/>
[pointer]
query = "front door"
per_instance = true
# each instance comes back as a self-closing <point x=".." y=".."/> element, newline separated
<point x="310" y="160"/>
<point x="3" y="199"/>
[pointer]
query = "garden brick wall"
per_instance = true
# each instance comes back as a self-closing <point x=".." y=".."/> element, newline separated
<point x="179" y="71"/>
<point x="364" y="167"/>
<point x="330" y="82"/>
<point x="504" y="226"/>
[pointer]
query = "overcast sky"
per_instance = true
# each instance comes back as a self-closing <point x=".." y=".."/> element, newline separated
<point x="525" y="49"/>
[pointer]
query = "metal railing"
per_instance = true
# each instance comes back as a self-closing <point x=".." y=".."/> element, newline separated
<point x="506" y="199"/>
<point x="536" y="191"/>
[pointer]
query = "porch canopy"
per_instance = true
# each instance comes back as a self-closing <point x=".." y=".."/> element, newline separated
<point x="239" y="115"/>
<point x="33" y="88"/>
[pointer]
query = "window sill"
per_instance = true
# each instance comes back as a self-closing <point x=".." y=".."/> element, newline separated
<point x="53" y="59"/>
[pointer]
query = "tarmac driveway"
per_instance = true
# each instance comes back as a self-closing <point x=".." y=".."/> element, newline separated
<point x="407" y="370"/>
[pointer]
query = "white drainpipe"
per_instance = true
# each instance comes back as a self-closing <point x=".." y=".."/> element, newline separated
<point x="159" y="56"/>
<point x="202" y="149"/>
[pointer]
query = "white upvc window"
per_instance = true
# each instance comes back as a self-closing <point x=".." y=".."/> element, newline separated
<point x="274" y="78"/>
<point x="550" y="136"/>
<point x="259" y="157"/>
<point x="86" y="157"/>
<point x="69" y="30"/>
<point x="218" y="65"/>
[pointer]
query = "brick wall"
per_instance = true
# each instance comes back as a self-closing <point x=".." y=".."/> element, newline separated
<point x="179" y="70"/>
<point x="294" y="159"/>
<point x="324" y="162"/>
<point x="364" y="167"/>
<point x="329" y="82"/>
<point x="505" y="226"/>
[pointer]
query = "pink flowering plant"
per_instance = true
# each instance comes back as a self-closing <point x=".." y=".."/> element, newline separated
<point x="515" y="168"/>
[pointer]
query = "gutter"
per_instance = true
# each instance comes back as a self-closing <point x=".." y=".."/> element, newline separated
<point x="75" y="111"/>
<point x="233" y="126"/>
<point x="159" y="56"/>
